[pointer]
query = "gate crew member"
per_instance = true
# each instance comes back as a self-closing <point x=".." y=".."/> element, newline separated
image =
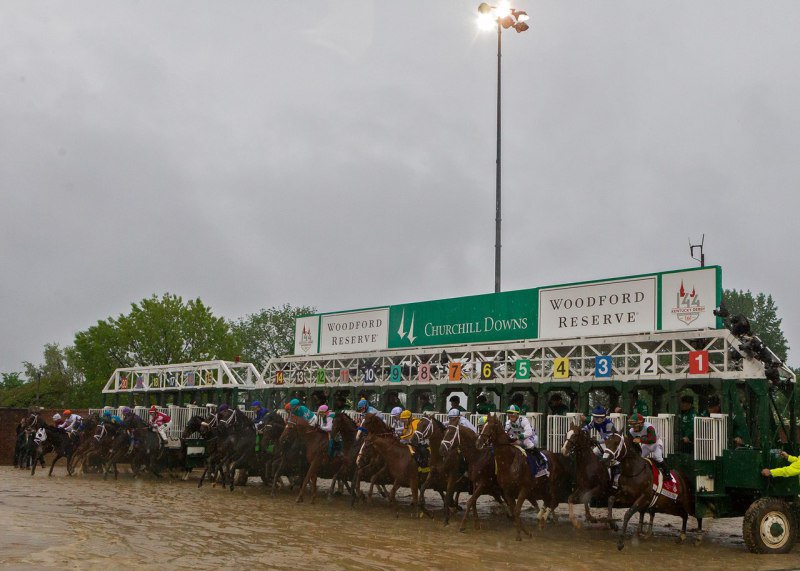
<point x="518" y="427"/>
<point x="793" y="469"/>
<point x="686" y="423"/>
<point x="159" y="421"/>
<point x="454" y="418"/>
<point x="644" y="434"/>
<point x="301" y="411"/>
<point x="395" y="423"/>
<point x="603" y="427"/>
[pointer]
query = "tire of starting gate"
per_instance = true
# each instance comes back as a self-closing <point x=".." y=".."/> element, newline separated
<point x="769" y="526"/>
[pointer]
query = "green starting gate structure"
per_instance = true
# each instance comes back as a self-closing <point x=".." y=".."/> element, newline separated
<point x="657" y="367"/>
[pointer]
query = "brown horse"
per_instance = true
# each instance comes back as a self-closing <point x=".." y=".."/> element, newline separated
<point x="591" y="475"/>
<point x="368" y="464"/>
<point x="636" y="485"/>
<point x="514" y="475"/>
<point x="315" y="444"/>
<point x="429" y="433"/>
<point x="460" y="442"/>
<point x="344" y="431"/>
<point x="399" y="461"/>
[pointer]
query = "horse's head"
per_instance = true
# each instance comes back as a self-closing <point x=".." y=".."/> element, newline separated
<point x="450" y="439"/>
<point x="372" y="423"/>
<point x="576" y="439"/>
<point x="195" y="424"/>
<point x="490" y="432"/>
<point x="41" y="436"/>
<point x="614" y="449"/>
<point x="344" y="426"/>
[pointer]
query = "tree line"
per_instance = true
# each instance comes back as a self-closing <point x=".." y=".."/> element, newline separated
<point x="167" y="329"/>
<point x="157" y="330"/>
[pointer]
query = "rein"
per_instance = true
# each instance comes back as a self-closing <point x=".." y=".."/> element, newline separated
<point x="454" y="441"/>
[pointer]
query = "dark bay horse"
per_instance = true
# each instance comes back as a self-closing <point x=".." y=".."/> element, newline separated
<point x="238" y="443"/>
<point x="344" y="431"/>
<point x="443" y="472"/>
<point x="399" y="462"/>
<point x="636" y="485"/>
<point x="514" y="475"/>
<point x="591" y="475"/>
<point x="461" y="442"/>
<point x="60" y="441"/>
<point x="315" y="443"/>
<point x="367" y="463"/>
<point x="269" y="430"/>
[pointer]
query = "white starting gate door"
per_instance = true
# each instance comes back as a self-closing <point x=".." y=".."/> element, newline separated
<point x="664" y="425"/>
<point x="710" y="436"/>
<point x="557" y="428"/>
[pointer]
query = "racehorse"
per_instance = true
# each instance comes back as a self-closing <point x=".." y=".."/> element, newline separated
<point x="636" y="483"/>
<point x="60" y="441"/>
<point x="343" y="430"/>
<point x="238" y="443"/>
<point x="368" y="464"/>
<point x="399" y="460"/>
<point x="210" y="436"/>
<point x="591" y="475"/>
<point x="442" y="476"/>
<point x="315" y="444"/>
<point x="514" y="474"/>
<point x="270" y="430"/>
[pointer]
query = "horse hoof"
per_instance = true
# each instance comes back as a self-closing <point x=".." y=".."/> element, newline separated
<point x="620" y="545"/>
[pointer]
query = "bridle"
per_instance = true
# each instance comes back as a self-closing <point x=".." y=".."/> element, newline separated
<point x="619" y="452"/>
<point x="453" y="442"/>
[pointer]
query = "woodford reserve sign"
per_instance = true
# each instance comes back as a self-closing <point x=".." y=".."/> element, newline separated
<point x="665" y="301"/>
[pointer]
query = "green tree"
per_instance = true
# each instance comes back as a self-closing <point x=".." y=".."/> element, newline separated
<point x="11" y="381"/>
<point x="762" y="312"/>
<point x="157" y="331"/>
<point x="52" y="383"/>
<point x="268" y="333"/>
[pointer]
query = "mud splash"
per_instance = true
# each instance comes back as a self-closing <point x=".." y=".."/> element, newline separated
<point x="85" y="522"/>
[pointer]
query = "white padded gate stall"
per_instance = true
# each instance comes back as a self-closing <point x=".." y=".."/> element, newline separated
<point x="665" y="426"/>
<point x="710" y="436"/>
<point x="557" y="428"/>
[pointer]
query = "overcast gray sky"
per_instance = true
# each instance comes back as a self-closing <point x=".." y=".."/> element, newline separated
<point x="341" y="154"/>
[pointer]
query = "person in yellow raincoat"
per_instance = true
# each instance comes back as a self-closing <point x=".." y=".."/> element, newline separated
<point x="793" y="469"/>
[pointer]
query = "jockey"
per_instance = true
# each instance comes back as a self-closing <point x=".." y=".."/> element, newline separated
<point x="364" y="407"/>
<point x="57" y="421"/>
<point x="260" y="411"/>
<point x="72" y="422"/>
<point x="409" y="425"/>
<point x="644" y="434"/>
<point x="109" y="417"/>
<point x="301" y="411"/>
<point x="395" y="423"/>
<point x="518" y="427"/>
<point x="159" y="422"/>
<point x="454" y="418"/>
<point x="602" y="425"/>
<point x="325" y="418"/>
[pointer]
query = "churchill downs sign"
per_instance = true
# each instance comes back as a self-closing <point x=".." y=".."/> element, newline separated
<point x="676" y="300"/>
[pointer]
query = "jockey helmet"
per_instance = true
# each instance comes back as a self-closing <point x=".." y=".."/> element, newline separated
<point x="287" y="406"/>
<point x="405" y="414"/>
<point x="56" y="416"/>
<point x="513" y="409"/>
<point x="599" y="411"/>
<point x="107" y="413"/>
<point x="126" y="410"/>
<point x="254" y="404"/>
<point x="106" y="408"/>
<point x="153" y="409"/>
<point x="323" y="408"/>
<point x="67" y="412"/>
<point x="294" y="403"/>
<point x="453" y="413"/>
<point x="635" y="419"/>
<point x="223" y="407"/>
<point x="362" y="404"/>
<point x="396" y="411"/>
<point x="482" y="420"/>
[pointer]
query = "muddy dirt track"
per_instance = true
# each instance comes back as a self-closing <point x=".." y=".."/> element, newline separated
<point x="85" y="522"/>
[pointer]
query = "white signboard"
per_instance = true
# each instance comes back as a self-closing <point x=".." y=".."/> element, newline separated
<point x="356" y="331"/>
<point x="605" y="308"/>
<point x="688" y="300"/>
<point x="306" y="334"/>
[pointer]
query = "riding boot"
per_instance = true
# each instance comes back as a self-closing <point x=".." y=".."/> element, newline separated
<point x="664" y="470"/>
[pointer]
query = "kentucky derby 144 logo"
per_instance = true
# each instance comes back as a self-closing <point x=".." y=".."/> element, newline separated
<point x="305" y="339"/>
<point x="688" y="306"/>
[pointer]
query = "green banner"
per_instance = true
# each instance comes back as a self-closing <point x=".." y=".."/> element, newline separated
<point x="475" y="319"/>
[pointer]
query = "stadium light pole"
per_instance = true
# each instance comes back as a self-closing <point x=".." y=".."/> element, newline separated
<point x="490" y="17"/>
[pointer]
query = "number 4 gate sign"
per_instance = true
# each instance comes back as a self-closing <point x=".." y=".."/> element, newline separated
<point x="561" y="368"/>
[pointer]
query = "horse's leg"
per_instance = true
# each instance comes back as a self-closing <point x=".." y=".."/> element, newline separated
<point x="392" y="500"/>
<point x="277" y="475"/>
<point x="517" y="511"/>
<point x="611" y="523"/>
<point x="58" y="455"/>
<point x="310" y="473"/>
<point x="471" y="504"/>
<point x="374" y="479"/>
<point x="641" y="524"/>
<point x="682" y="535"/>
<point x="649" y="532"/>
<point x="571" y="510"/>
<point x="631" y="510"/>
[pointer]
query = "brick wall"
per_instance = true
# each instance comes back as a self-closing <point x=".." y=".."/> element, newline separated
<point x="9" y="419"/>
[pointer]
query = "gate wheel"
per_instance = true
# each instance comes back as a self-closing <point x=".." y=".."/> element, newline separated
<point x="769" y="526"/>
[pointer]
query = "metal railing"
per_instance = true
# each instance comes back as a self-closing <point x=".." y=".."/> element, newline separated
<point x="710" y="436"/>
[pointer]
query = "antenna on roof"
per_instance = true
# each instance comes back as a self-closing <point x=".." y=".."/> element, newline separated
<point x="702" y="258"/>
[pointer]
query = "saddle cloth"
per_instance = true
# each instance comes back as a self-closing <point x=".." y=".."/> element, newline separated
<point x="669" y="489"/>
<point x="420" y="467"/>
<point x="537" y="463"/>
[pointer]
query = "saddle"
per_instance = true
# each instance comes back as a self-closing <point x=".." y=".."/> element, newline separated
<point x="670" y="489"/>
<point x="421" y="456"/>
